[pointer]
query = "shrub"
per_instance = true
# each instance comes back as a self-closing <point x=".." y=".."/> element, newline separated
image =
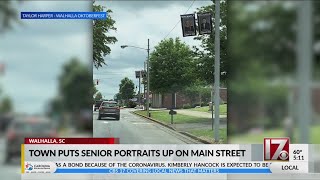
<point x="186" y="106"/>
<point x="204" y="104"/>
<point x="132" y="104"/>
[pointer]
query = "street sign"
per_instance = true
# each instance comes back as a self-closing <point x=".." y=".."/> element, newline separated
<point x="138" y="73"/>
<point x="205" y="23"/>
<point x="188" y="23"/>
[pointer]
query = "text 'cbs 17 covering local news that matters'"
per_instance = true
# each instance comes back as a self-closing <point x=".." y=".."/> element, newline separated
<point x="106" y="156"/>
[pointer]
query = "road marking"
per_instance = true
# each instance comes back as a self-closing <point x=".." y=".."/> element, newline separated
<point x="141" y="123"/>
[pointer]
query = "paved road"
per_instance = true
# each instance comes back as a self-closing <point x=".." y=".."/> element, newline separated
<point x="8" y="171"/>
<point x="132" y="129"/>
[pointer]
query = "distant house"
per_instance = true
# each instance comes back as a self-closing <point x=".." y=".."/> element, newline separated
<point x="165" y="100"/>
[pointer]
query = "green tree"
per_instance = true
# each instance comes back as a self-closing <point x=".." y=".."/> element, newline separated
<point x="8" y="15"/>
<point x="6" y="105"/>
<point x="171" y="66"/>
<point x="126" y="89"/>
<point x="75" y="86"/>
<point x="198" y="91"/>
<point x="101" y="39"/>
<point x="55" y="107"/>
<point x="98" y="96"/>
<point x="205" y="56"/>
<point x="117" y="97"/>
<point x="94" y="89"/>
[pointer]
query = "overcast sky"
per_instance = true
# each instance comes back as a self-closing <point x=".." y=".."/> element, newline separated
<point x="35" y="51"/>
<point x="136" y="21"/>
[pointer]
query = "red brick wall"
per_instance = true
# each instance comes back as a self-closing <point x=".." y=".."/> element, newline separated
<point x="181" y="99"/>
<point x="316" y="100"/>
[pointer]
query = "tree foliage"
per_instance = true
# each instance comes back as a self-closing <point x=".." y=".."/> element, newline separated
<point x="75" y="86"/>
<point x="98" y="96"/>
<point x="6" y="105"/>
<point x="126" y="89"/>
<point x="171" y="66"/>
<point x="262" y="50"/>
<point x="205" y="60"/>
<point x="8" y="15"/>
<point x="101" y="36"/>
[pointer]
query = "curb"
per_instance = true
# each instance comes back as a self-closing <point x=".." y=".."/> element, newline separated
<point x="181" y="132"/>
<point x="159" y="122"/>
<point x="196" y="138"/>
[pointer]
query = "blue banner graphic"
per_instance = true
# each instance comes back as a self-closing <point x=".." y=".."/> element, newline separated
<point x="63" y="15"/>
<point x="165" y="170"/>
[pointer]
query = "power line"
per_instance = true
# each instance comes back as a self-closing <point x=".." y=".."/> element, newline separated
<point x="179" y="20"/>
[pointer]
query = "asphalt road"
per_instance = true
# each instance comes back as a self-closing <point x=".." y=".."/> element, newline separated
<point x="8" y="171"/>
<point x="132" y="129"/>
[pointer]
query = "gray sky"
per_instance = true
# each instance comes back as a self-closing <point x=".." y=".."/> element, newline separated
<point x="35" y="51"/>
<point x="136" y="21"/>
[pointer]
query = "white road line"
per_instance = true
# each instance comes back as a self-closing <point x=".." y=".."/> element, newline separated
<point x="141" y="123"/>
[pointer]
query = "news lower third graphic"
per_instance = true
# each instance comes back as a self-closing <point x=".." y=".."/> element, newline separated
<point x="106" y="156"/>
<point x="63" y="15"/>
<point x="276" y="149"/>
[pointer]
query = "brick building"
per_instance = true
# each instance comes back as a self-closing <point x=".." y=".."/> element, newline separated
<point x="165" y="100"/>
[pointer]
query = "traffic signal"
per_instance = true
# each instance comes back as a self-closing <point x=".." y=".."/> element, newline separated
<point x="97" y="81"/>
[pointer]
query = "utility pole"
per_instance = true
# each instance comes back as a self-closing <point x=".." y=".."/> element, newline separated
<point x="217" y="72"/>
<point x="144" y="84"/>
<point x="139" y="96"/>
<point x="148" y="79"/>
<point x="304" y="55"/>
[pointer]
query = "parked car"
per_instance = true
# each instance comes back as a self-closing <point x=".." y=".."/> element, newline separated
<point x="85" y="120"/>
<point x="5" y="121"/>
<point x="109" y="109"/>
<point x="97" y="104"/>
<point x="26" y="127"/>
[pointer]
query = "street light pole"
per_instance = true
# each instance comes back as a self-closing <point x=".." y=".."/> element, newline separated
<point x="139" y="93"/>
<point x="304" y="70"/>
<point x="148" y="74"/>
<point x="148" y="79"/>
<point x="217" y="72"/>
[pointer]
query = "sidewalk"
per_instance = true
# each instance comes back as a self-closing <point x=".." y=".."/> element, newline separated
<point x="201" y="122"/>
<point x="198" y="114"/>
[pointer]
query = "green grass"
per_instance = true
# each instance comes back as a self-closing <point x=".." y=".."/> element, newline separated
<point x="258" y="138"/>
<point x="208" y="134"/>
<point x="165" y="117"/>
<point x="222" y="108"/>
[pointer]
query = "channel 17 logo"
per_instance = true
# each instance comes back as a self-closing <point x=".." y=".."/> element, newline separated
<point x="276" y="149"/>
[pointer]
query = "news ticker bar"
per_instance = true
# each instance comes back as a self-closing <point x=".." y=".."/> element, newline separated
<point x="105" y="155"/>
<point x="63" y="15"/>
<point x="172" y="167"/>
<point x="166" y="171"/>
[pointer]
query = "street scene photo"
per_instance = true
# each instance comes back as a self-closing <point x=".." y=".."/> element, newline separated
<point x="154" y="67"/>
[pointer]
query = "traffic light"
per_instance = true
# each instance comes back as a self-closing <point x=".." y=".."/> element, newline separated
<point x="97" y="81"/>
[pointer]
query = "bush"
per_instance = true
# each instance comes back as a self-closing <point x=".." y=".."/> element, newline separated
<point x="132" y="104"/>
<point x="186" y="106"/>
<point x="195" y="105"/>
<point x="204" y="104"/>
